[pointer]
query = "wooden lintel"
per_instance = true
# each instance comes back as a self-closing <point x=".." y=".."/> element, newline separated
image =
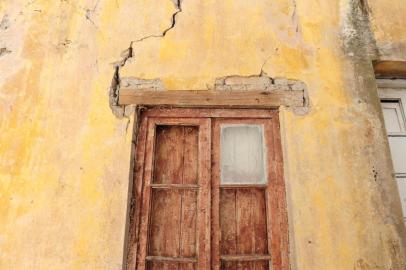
<point x="204" y="98"/>
<point x="390" y="69"/>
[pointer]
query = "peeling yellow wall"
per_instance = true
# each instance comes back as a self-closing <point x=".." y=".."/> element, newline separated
<point x="65" y="158"/>
<point x="389" y="24"/>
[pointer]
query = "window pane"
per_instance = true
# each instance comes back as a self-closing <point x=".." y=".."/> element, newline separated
<point x="242" y="154"/>
<point x="402" y="191"/>
<point x="398" y="150"/>
<point x="393" y="116"/>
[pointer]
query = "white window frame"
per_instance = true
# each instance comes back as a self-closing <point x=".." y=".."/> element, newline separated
<point x="394" y="90"/>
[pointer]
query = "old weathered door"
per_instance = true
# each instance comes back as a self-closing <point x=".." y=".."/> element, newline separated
<point x="209" y="192"/>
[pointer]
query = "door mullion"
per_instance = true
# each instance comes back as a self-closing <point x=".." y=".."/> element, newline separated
<point x="204" y="202"/>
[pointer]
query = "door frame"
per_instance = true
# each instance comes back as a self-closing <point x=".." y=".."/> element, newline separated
<point x="140" y="150"/>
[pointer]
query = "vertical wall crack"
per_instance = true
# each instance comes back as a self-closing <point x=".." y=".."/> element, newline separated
<point x="295" y="20"/>
<point x="118" y="110"/>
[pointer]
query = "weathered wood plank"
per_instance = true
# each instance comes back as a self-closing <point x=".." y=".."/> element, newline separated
<point x="175" y="186"/>
<point x="164" y="112"/>
<point x="251" y="257"/>
<point x="390" y="69"/>
<point x="245" y="226"/>
<point x="136" y="196"/>
<point x="190" y="155"/>
<point x="165" y="226"/>
<point x="146" y="196"/>
<point x="228" y="222"/>
<point x="168" y="168"/>
<point x="166" y="264"/>
<point x="258" y="203"/>
<point x="215" y="211"/>
<point x="188" y="214"/>
<point x="204" y="202"/>
<point x="171" y="259"/>
<point x="201" y="98"/>
<point x="281" y="220"/>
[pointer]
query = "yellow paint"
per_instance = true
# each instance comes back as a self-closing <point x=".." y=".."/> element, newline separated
<point x="65" y="158"/>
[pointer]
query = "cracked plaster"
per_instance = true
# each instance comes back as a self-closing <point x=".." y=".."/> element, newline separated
<point x="64" y="156"/>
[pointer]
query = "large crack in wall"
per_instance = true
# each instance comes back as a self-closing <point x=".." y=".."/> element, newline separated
<point x="252" y="82"/>
<point x="120" y="111"/>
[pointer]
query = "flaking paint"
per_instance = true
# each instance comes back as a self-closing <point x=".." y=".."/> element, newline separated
<point x="65" y="158"/>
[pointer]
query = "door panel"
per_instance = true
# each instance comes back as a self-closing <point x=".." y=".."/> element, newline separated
<point x="176" y="155"/>
<point x="175" y="195"/>
<point x="172" y="230"/>
<point x="243" y="221"/>
<point x="246" y="188"/>
<point x="171" y="266"/>
<point x="261" y="265"/>
<point x="173" y="223"/>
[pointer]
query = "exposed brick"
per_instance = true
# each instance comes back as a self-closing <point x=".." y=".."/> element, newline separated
<point x="137" y="83"/>
<point x="252" y="83"/>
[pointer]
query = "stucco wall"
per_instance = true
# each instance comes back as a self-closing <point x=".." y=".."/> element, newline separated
<point x="65" y="157"/>
<point x="389" y="24"/>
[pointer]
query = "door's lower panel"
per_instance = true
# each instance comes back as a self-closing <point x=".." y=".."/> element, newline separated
<point x="173" y="223"/>
<point x="260" y="265"/>
<point x="170" y="266"/>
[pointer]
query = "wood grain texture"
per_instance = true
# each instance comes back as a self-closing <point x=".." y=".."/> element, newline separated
<point x="390" y="69"/>
<point x="243" y="225"/>
<point x="165" y="225"/>
<point x="215" y="210"/>
<point x="168" y="167"/>
<point x="201" y="98"/>
<point x="281" y="221"/>
<point x="176" y="180"/>
<point x="172" y="231"/>
<point x="176" y="155"/>
<point x="182" y="218"/>
<point x="146" y="197"/>
<point x="246" y="258"/>
<point x="173" y="224"/>
<point x="260" y="227"/>
<point x="164" y="112"/>
<point x="136" y="196"/>
<point x="244" y="265"/>
<point x="204" y="202"/>
<point x="168" y="265"/>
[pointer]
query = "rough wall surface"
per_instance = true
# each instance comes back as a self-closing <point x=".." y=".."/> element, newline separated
<point x="65" y="157"/>
<point x="388" y="24"/>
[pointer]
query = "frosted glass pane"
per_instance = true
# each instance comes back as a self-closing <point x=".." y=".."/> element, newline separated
<point x="402" y="191"/>
<point x="398" y="151"/>
<point x="391" y="120"/>
<point x="393" y="116"/>
<point x="242" y="154"/>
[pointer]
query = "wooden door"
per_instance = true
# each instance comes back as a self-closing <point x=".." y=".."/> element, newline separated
<point x="174" y="200"/>
<point x="209" y="192"/>
<point x="249" y="218"/>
